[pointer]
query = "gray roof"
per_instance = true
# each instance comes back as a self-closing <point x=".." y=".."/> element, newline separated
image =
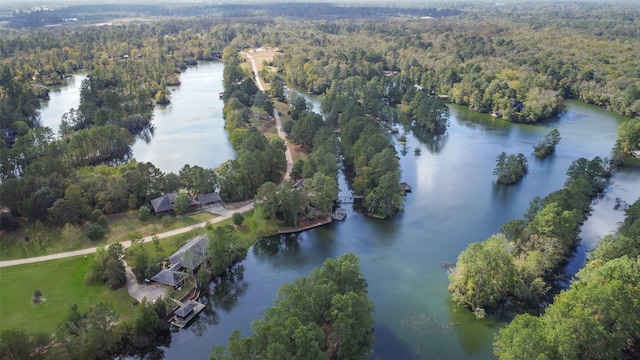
<point x="185" y="309"/>
<point x="165" y="202"/>
<point x="209" y="198"/>
<point x="191" y="254"/>
<point x="169" y="277"/>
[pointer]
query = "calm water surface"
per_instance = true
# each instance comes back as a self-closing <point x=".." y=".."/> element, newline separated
<point x="455" y="201"/>
<point x="61" y="100"/>
<point x="190" y="130"/>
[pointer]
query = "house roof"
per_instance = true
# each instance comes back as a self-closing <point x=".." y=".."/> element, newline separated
<point x="210" y="198"/>
<point x="165" y="202"/>
<point x="169" y="277"/>
<point x="186" y="308"/>
<point x="191" y="254"/>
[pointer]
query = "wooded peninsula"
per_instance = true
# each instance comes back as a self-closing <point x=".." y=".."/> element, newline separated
<point x="377" y="68"/>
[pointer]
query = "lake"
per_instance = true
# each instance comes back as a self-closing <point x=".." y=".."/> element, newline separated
<point x="455" y="201"/>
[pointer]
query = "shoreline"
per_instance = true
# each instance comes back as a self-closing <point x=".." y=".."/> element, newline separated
<point x="309" y="225"/>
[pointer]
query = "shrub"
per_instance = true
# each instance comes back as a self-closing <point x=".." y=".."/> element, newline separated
<point x="95" y="232"/>
<point x="144" y="213"/>
<point x="9" y="222"/>
<point x="103" y="221"/>
<point x="95" y="214"/>
<point x="237" y="219"/>
<point x="37" y="297"/>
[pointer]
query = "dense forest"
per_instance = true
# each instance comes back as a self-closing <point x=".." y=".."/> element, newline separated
<point x="325" y="315"/>
<point x="518" y="268"/>
<point x="597" y="317"/>
<point x="516" y="62"/>
<point x="399" y="70"/>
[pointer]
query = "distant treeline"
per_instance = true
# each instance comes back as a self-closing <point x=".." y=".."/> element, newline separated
<point x="318" y="11"/>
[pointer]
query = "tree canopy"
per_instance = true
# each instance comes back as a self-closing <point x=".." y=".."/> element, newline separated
<point x="326" y="315"/>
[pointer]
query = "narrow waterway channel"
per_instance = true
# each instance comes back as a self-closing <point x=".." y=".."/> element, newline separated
<point x="455" y="201"/>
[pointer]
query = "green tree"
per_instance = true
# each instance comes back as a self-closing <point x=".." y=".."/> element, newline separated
<point x="484" y="274"/>
<point x="322" y="191"/>
<point x="595" y="318"/>
<point x="510" y="169"/>
<point x="144" y="213"/>
<point x="171" y="182"/>
<point x="149" y="332"/>
<point x="16" y="344"/>
<point x="237" y="219"/>
<point x="182" y="203"/>
<point x="548" y="145"/>
<point x="628" y="136"/>
<point x="90" y="336"/>
<point x="95" y="232"/>
<point x="326" y="315"/>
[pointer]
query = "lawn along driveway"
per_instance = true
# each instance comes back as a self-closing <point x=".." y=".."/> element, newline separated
<point x="127" y="244"/>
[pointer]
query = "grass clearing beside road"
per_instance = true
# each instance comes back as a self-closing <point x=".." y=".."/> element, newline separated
<point x="62" y="283"/>
<point x="44" y="240"/>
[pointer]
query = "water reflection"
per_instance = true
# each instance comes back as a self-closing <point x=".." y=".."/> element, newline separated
<point x="146" y="134"/>
<point x="434" y="143"/>
<point x="207" y="317"/>
<point x="271" y="246"/>
<point x="229" y="288"/>
<point x="389" y="345"/>
<point x="474" y="335"/>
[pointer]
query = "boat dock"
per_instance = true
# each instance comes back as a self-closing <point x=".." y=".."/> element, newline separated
<point x="339" y="214"/>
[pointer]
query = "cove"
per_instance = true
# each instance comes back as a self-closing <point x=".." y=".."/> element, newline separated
<point x="455" y="201"/>
<point x="61" y="99"/>
<point x="190" y="130"/>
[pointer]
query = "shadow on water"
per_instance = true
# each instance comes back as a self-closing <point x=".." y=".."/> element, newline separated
<point x="472" y="333"/>
<point x="504" y="193"/>
<point x="271" y="246"/>
<point x="389" y="346"/>
<point x="207" y="317"/>
<point x="434" y="143"/>
<point x="229" y="288"/>
<point x="146" y="134"/>
<point x="465" y="117"/>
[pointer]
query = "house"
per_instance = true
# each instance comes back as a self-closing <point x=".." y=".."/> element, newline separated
<point x="170" y="277"/>
<point x="299" y="184"/>
<point x="517" y="106"/>
<point x="208" y="199"/>
<point x="188" y="257"/>
<point x="164" y="204"/>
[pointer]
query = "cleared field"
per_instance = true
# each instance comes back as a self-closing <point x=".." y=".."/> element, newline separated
<point x="62" y="283"/>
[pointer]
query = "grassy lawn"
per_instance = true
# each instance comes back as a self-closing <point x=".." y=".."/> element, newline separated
<point x="44" y="240"/>
<point x="62" y="283"/>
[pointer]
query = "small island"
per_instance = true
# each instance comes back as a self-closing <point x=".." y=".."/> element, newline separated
<point x="510" y="169"/>
<point x="547" y="146"/>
